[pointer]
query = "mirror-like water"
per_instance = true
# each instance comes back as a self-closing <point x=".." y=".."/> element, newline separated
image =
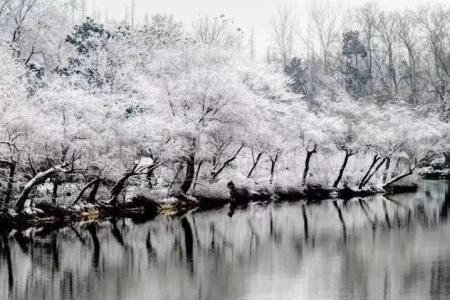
<point x="374" y="248"/>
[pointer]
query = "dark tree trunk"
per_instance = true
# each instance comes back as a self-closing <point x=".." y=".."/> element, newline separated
<point x="255" y="163"/>
<point x="305" y="221"/>
<point x="273" y="162"/>
<point x="55" y="191"/>
<point x="341" y="171"/>
<point x="9" y="188"/>
<point x="118" y="187"/>
<point x="399" y="177"/>
<point x="197" y="173"/>
<point x="189" y="242"/>
<point x="7" y="254"/>
<point x="92" y="228"/>
<point x="150" y="176"/>
<point x="374" y="171"/>
<point x="341" y="219"/>
<point x="386" y="169"/>
<point x="216" y="173"/>
<point x="190" y="172"/>
<point x="309" y="154"/>
<point x="95" y="183"/>
<point x="40" y="178"/>
<point x="92" y="195"/>
<point x="447" y="159"/>
<point x="375" y="160"/>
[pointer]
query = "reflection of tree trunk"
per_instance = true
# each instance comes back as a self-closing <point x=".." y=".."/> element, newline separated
<point x="446" y="204"/>
<point x="341" y="219"/>
<point x="305" y="221"/>
<point x="116" y="233"/>
<point x="189" y="242"/>
<point x="7" y="255"/>
<point x="341" y="171"/>
<point x="92" y="228"/>
<point x="386" y="215"/>
<point x="55" y="252"/>
<point x="366" y="213"/>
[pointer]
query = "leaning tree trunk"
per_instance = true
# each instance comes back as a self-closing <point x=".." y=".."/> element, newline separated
<point x="398" y="178"/>
<point x="374" y="172"/>
<point x="91" y="198"/>
<point x="375" y="160"/>
<point x="118" y="187"/>
<point x="95" y="183"/>
<point x="40" y="178"/>
<point x="216" y="173"/>
<point x="309" y="154"/>
<point x="255" y="163"/>
<point x="341" y="171"/>
<point x="190" y="173"/>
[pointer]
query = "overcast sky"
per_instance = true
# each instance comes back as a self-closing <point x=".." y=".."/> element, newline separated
<point x="247" y="14"/>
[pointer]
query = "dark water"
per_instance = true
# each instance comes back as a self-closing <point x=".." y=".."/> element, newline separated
<point x="376" y="248"/>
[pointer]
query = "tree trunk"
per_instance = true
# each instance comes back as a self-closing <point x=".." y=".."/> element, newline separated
<point x="55" y="191"/>
<point x="273" y="162"/>
<point x="399" y="177"/>
<point x="341" y="171"/>
<point x="190" y="172"/>
<point x="150" y="176"/>
<point x="9" y="188"/>
<point x="118" y="187"/>
<point x="215" y="173"/>
<point x="309" y="154"/>
<point x="95" y="183"/>
<point x="386" y="169"/>
<point x="40" y="178"/>
<point x="255" y="163"/>
<point x="447" y="159"/>
<point x="375" y="171"/>
<point x="91" y="198"/>
<point x="375" y="160"/>
<point x="197" y="173"/>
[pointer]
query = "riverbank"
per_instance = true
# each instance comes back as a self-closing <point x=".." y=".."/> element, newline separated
<point x="142" y="207"/>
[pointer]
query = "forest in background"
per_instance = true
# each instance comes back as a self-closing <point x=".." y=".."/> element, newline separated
<point x="92" y="110"/>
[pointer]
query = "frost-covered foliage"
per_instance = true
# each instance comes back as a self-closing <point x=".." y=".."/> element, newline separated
<point x="176" y="109"/>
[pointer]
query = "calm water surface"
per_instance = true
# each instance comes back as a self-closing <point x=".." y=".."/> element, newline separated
<point x="375" y="248"/>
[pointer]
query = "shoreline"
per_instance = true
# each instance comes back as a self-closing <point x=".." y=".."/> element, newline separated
<point x="143" y="208"/>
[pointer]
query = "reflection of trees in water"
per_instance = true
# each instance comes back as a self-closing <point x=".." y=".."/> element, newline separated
<point x="209" y="255"/>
